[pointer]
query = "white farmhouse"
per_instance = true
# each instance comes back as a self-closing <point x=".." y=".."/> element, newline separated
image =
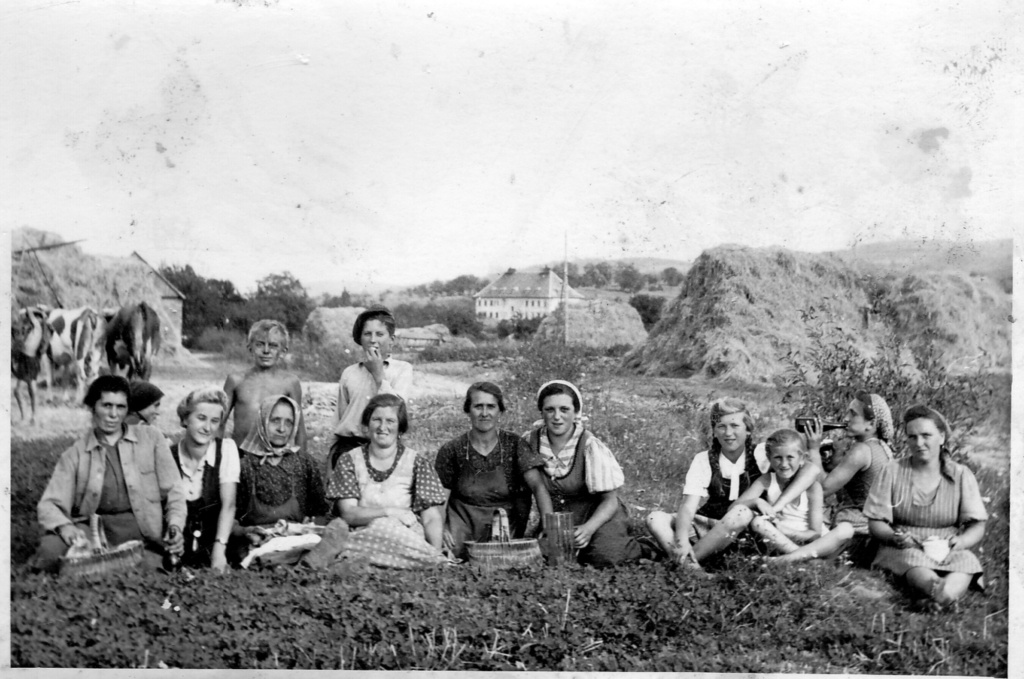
<point x="523" y="294"/>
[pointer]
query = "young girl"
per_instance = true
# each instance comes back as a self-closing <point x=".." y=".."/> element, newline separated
<point x="797" y="522"/>
<point x="721" y="475"/>
<point x="209" y="469"/>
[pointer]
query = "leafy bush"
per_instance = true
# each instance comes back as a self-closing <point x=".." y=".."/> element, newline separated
<point x="825" y="378"/>
<point x="649" y="308"/>
<point x="519" y="327"/>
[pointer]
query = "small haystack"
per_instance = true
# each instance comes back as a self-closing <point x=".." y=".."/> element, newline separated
<point x="597" y="323"/>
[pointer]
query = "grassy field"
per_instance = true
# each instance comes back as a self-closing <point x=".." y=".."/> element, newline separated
<point x="823" y="617"/>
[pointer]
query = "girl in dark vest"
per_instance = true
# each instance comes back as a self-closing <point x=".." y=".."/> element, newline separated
<point x="718" y="476"/>
<point x="582" y="477"/>
<point x="209" y="469"/>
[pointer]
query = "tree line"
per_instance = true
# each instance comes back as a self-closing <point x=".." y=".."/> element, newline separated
<point x="212" y="303"/>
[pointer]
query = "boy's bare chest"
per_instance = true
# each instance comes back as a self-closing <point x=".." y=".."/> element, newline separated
<point x="255" y="388"/>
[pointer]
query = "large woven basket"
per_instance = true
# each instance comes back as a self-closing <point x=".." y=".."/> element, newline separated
<point x="98" y="558"/>
<point x="502" y="551"/>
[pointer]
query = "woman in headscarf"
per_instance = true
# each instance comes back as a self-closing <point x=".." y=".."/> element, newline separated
<point x="926" y="511"/>
<point x="869" y="425"/>
<point x="277" y="480"/>
<point x="124" y="473"/>
<point x="488" y="468"/>
<point x="388" y="497"/>
<point x="582" y="477"/>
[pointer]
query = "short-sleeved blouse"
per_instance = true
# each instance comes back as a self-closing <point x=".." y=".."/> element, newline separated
<point x="427" y="490"/>
<point x="458" y="457"/>
<point x="955" y="502"/>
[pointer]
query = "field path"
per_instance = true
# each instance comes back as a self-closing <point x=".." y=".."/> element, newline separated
<point x="57" y="415"/>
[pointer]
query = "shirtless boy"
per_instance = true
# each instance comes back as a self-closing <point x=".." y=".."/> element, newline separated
<point x="268" y="343"/>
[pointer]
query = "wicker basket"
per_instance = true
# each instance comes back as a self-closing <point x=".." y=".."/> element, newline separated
<point x="98" y="558"/>
<point x="502" y="551"/>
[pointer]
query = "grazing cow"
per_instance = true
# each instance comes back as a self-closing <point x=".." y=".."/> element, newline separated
<point x="74" y="340"/>
<point x="30" y="336"/>
<point x="133" y="338"/>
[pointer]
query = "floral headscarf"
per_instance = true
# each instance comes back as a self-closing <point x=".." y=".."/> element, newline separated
<point x="883" y="418"/>
<point x="258" y="442"/>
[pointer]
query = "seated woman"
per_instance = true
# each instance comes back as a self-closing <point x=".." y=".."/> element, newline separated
<point x="927" y="513"/>
<point x="277" y="479"/>
<point x="388" y="496"/>
<point x="869" y="423"/>
<point x="721" y="475"/>
<point x="124" y="473"/>
<point x="582" y="477"/>
<point x="144" y="404"/>
<point x="798" y="522"/>
<point x="210" y="470"/>
<point x="487" y="468"/>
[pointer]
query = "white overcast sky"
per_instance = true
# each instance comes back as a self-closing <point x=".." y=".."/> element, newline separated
<point x="395" y="143"/>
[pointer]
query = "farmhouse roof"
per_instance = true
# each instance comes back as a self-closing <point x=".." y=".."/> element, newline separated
<point x="545" y="284"/>
<point x="175" y="292"/>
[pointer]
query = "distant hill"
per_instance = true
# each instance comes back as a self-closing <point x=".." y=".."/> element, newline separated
<point x="992" y="259"/>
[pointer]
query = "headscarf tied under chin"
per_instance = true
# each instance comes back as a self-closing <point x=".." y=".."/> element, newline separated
<point x="883" y="418"/>
<point x="257" y="443"/>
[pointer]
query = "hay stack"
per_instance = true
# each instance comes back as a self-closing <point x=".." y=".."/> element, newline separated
<point x="332" y="326"/>
<point x="740" y="310"/>
<point x="79" y="279"/>
<point x="599" y="323"/>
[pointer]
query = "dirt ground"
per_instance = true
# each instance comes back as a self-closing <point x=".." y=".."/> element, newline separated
<point x="57" y="414"/>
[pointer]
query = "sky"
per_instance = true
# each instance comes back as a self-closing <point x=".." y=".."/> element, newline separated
<point x="372" y="144"/>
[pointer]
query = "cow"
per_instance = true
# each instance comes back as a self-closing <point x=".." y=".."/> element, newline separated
<point x="74" y="340"/>
<point x="133" y="338"/>
<point x="30" y="337"/>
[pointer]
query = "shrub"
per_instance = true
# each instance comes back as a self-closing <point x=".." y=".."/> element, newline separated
<point x="825" y="378"/>
<point x="230" y="343"/>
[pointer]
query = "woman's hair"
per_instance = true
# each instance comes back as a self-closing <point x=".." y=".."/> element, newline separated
<point x="730" y="406"/>
<point x="387" y="401"/>
<point x="204" y="395"/>
<point x="106" y="384"/>
<point x="784" y="437"/>
<point x="374" y="313"/>
<point x="265" y="327"/>
<point x="486" y="388"/>
<point x="921" y="411"/>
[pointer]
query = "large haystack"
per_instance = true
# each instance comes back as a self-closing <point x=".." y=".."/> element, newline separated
<point x="332" y="326"/>
<point x="741" y="309"/>
<point x="70" y="278"/>
<point x="597" y="323"/>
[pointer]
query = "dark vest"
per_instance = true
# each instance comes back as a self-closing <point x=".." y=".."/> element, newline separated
<point x="572" y="484"/>
<point x="203" y="513"/>
<point x="718" y="490"/>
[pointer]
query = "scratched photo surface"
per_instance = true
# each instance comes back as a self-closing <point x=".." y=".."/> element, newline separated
<point x="662" y="203"/>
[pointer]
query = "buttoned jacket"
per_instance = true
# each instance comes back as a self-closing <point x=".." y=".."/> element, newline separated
<point x="155" y="490"/>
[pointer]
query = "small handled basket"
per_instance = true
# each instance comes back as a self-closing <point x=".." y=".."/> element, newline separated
<point x="98" y="558"/>
<point x="502" y="551"/>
